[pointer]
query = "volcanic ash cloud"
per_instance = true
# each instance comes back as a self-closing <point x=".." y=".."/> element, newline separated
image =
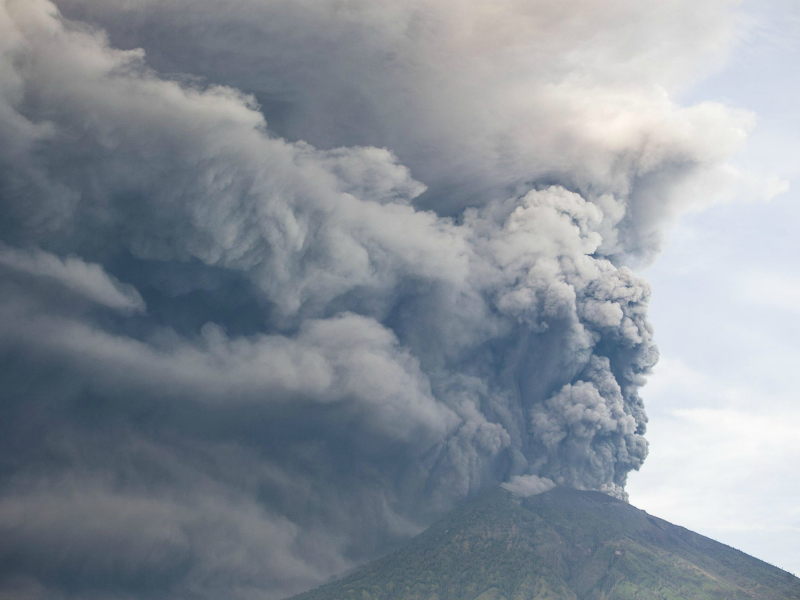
<point x="283" y="282"/>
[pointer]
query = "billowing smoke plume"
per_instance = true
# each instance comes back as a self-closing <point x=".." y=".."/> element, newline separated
<point x="296" y="278"/>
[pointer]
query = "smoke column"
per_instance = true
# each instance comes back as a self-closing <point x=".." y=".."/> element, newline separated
<point x="282" y="282"/>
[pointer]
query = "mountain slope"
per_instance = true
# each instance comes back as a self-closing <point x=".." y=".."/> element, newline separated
<point x="561" y="545"/>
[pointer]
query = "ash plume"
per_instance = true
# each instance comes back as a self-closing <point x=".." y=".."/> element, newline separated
<point x="284" y="281"/>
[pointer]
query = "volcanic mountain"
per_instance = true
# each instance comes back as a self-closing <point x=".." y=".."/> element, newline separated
<point x="563" y="544"/>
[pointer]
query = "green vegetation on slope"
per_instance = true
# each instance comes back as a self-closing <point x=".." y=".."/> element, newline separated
<point x="560" y="545"/>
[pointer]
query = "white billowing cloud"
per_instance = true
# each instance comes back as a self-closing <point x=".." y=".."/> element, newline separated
<point x="417" y="292"/>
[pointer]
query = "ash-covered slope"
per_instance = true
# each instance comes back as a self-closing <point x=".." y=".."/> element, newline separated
<point x="563" y="544"/>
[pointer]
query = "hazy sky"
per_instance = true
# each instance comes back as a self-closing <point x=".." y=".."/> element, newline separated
<point x="723" y="402"/>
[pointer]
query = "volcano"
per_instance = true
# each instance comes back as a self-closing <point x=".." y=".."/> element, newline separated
<point x="563" y="544"/>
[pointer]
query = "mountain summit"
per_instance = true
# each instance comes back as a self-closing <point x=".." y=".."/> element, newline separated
<point x="563" y="544"/>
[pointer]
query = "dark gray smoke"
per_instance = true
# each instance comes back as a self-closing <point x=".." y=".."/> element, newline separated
<point x="234" y="364"/>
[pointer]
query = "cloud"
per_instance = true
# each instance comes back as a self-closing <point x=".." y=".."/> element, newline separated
<point x="525" y="486"/>
<point x="86" y="279"/>
<point x="479" y="100"/>
<point x="382" y="252"/>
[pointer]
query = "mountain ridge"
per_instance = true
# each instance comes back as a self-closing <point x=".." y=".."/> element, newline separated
<point x="563" y="544"/>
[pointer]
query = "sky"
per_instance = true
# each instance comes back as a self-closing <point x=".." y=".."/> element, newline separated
<point x="283" y="282"/>
<point x="726" y="293"/>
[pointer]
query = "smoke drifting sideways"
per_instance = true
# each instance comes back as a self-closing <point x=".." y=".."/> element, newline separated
<point x="286" y="285"/>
